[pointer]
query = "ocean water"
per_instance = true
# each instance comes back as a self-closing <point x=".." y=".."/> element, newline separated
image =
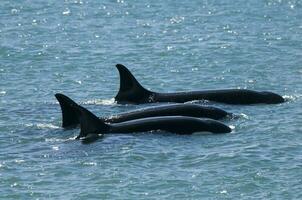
<point x="72" y="47"/>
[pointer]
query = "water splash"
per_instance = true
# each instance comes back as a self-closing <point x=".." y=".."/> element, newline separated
<point x="292" y="97"/>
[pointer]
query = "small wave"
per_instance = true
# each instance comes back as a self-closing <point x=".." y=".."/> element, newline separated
<point x="223" y="192"/>
<point x="59" y="139"/>
<point x="243" y="116"/>
<point x="19" y="161"/>
<point x="51" y="126"/>
<point x="90" y="163"/>
<point x="227" y="155"/>
<point x="15" y="184"/>
<point x="43" y="126"/>
<point x="237" y="116"/>
<point x="100" y="102"/>
<point x="2" y="93"/>
<point x="55" y="148"/>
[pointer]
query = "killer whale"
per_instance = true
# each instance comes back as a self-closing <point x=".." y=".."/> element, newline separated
<point x="70" y="118"/>
<point x="93" y="127"/>
<point x="131" y="91"/>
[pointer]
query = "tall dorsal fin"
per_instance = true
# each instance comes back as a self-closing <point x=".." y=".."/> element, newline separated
<point x="130" y="89"/>
<point x="74" y="114"/>
<point x="90" y="124"/>
<point x="69" y="114"/>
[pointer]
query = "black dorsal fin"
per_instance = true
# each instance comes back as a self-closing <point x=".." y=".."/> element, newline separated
<point x="130" y="89"/>
<point x="69" y="114"/>
<point x="90" y="124"/>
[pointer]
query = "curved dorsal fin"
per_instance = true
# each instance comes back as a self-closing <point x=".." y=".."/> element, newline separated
<point x="69" y="114"/>
<point x="73" y="113"/>
<point x="90" y="124"/>
<point x="130" y="89"/>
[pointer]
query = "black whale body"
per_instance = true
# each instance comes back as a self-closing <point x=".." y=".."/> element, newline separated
<point x="92" y="126"/>
<point x="131" y="91"/>
<point x="70" y="118"/>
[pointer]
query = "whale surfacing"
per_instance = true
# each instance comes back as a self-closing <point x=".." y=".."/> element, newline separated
<point x="70" y="117"/>
<point x="131" y="91"/>
<point x="91" y="126"/>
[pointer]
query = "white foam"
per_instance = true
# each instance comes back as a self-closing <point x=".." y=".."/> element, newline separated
<point x="59" y="139"/>
<point x="242" y="115"/>
<point x="223" y="192"/>
<point x="100" y="102"/>
<point x="90" y="163"/>
<point x="19" y="161"/>
<point x="51" y="126"/>
<point x="292" y="97"/>
<point x="232" y="127"/>
<point x="43" y="126"/>
<point x="66" y="11"/>
<point x="56" y="148"/>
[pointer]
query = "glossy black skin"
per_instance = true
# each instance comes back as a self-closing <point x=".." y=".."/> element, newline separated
<point x="92" y="125"/>
<point x="227" y="96"/>
<point x="131" y="91"/>
<point x="70" y="118"/>
<point x="190" y="110"/>
<point x="173" y="124"/>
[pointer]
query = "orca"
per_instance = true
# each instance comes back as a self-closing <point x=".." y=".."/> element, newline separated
<point x="70" y="118"/>
<point x="131" y="91"/>
<point x="92" y="127"/>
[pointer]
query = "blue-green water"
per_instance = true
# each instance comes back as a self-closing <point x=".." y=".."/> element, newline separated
<point x="72" y="47"/>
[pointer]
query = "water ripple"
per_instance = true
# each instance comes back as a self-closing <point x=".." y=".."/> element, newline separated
<point x="72" y="48"/>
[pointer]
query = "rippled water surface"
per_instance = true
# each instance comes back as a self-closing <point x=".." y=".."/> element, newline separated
<point x="72" y="47"/>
